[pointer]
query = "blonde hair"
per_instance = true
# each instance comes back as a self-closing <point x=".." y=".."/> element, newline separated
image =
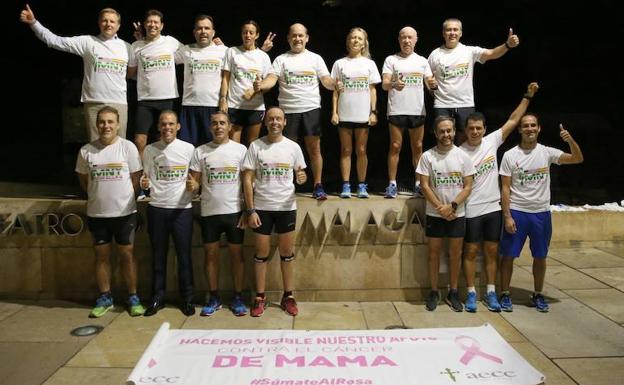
<point x="365" y="50"/>
<point x="109" y="10"/>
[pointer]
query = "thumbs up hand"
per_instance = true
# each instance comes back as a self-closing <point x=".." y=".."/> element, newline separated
<point x="564" y="134"/>
<point x="27" y="16"/>
<point x="399" y="83"/>
<point x="300" y="176"/>
<point x="191" y="184"/>
<point x="512" y="40"/>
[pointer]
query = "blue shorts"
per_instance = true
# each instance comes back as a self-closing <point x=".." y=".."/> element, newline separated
<point x="195" y="124"/>
<point x="537" y="226"/>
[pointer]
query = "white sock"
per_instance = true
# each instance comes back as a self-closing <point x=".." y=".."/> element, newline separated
<point x="471" y="289"/>
<point x="491" y="288"/>
<point x="393" y="182"/>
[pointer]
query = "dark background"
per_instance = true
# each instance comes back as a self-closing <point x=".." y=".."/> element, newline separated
<point x="569" y="47"/>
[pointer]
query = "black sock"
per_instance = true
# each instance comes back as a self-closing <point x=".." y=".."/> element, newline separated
<point x="260" y="295"/>
<point x="214" y="293"/>
<point x="287" y="294"/>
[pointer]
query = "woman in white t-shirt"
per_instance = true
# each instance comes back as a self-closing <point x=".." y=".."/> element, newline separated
<point x="354" y="107"/>
<point x="242" y="67"/>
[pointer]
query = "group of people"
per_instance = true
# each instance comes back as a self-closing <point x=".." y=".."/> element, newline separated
<point x="223" y="105"/>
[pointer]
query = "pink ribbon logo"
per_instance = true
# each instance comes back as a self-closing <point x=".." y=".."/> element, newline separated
<point x="473" y="350"/>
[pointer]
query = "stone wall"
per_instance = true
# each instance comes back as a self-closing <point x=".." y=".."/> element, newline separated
<point x="346" y="250"/>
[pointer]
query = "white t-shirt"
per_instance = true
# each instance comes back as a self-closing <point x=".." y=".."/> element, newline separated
<point x="453" y="69"/>
<point x="156" y="76"/>
<point x="485" y="195"/>
<point x="446" y="172"/>
<point x="356" y="74"/>
<point x="220" y="166"/>
<point x="166" y="166"/>
<point x="274" y="164"/>
<point x="202" y="73"/>
<point x="111" y="193"/>
<point x="413" y="69"/>
<point x="105" y="63"/>
<point x="298" y="75"/>
<point x="530" y="177"/>
<point x="243" y="67"/>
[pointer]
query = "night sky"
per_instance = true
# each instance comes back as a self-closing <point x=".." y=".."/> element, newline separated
<point x="569" y="47"/>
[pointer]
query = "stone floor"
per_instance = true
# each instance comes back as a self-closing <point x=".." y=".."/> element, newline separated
<point x="580" y="341"/>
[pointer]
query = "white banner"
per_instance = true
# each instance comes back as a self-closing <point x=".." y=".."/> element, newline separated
<point x="454" y="356"/>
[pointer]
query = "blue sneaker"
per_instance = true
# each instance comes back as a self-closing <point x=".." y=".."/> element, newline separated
<point x="318" y="193"/>
<point x="362" y="193"/>
<point x="391" y="191"/>
<point x="346" y="191"/>
<point x="471" y="302"/>
<point x="540" y="303"/>
<point x="214" y="304"/>
<point x="238" y="307"/>
<point x="134" y="306"/>
<point x="491" y="302"/>
<point x="102" y="304"/>
<point x="505" y="303"/>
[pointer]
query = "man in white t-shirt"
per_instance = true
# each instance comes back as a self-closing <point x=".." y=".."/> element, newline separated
<point x="445" y="174"/>
<point x="270" y="165"/>
<point x="105" y="60"/>
<point x="170" y="212"/>
<point x="157" y="87"/>
<point x="405" y="76"/>
<point x="299" y="72"/>
<point x="453" y="67"/>
<point x="525" y="177"/>
<point x="109" y="170"/>
<point x="483" y="211"/>
<point x="215" y="169"/>
<point x="203" y="62"/>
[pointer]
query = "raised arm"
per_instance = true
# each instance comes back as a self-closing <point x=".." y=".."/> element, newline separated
<point x="515" y="116"/>
<point x="495" y="53"/>
<point x="575" y="156"/>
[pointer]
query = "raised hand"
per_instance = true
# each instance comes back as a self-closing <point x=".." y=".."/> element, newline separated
<point x="138" y="31"/>
<point x="512" y="40"/>
<point x="27" y="16"/>
<point x="564" y="134"/>
<point x="268" y="42"/>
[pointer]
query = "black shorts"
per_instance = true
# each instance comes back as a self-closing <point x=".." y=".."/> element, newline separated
<point x="121" y="228"/>
<point x="486" y="227"/>
<point x="284" y="221"/>
<point x="245" y="118"/>
<point x="148" y="112"/>
<point x="303" y="124"/>
<point x="214" y="225"/>
<point x="459" y="114"/>
<point x="436" y="227"/>
<point x="353" y="125"/>
<point x="406" y="121"/>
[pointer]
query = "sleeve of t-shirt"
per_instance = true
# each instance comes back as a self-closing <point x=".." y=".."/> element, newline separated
<point x="81" y="163"/>
<point x="132" y="59"/>
<point x="195" y="165"/>
<point x="469" y="168"/>
<point x="423" y="166"/>
<point x="299" y="160"/>
<point x="276" y="68"/>
<point x="320" y="67"/>
<point x="476" y="54"/>
<point x="373" y="73"/>
<point x="335" y="72"/>
<point x="428" y="71"/>
<point x="228" y="60"/>
<point x="134" y="159"/>
<point x="554" y="154"/>
<point x="387" y="66"/>
<point x="250" y="159"/>
<point x="179" y="54"/>
<point x="505" y="167"/>
<point x="78" y="45"/>
<point x="266" y="64"/>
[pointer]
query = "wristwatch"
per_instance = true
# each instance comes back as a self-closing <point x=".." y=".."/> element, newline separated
<point x="454" y="205"/>
<point x="250" y="211"/>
